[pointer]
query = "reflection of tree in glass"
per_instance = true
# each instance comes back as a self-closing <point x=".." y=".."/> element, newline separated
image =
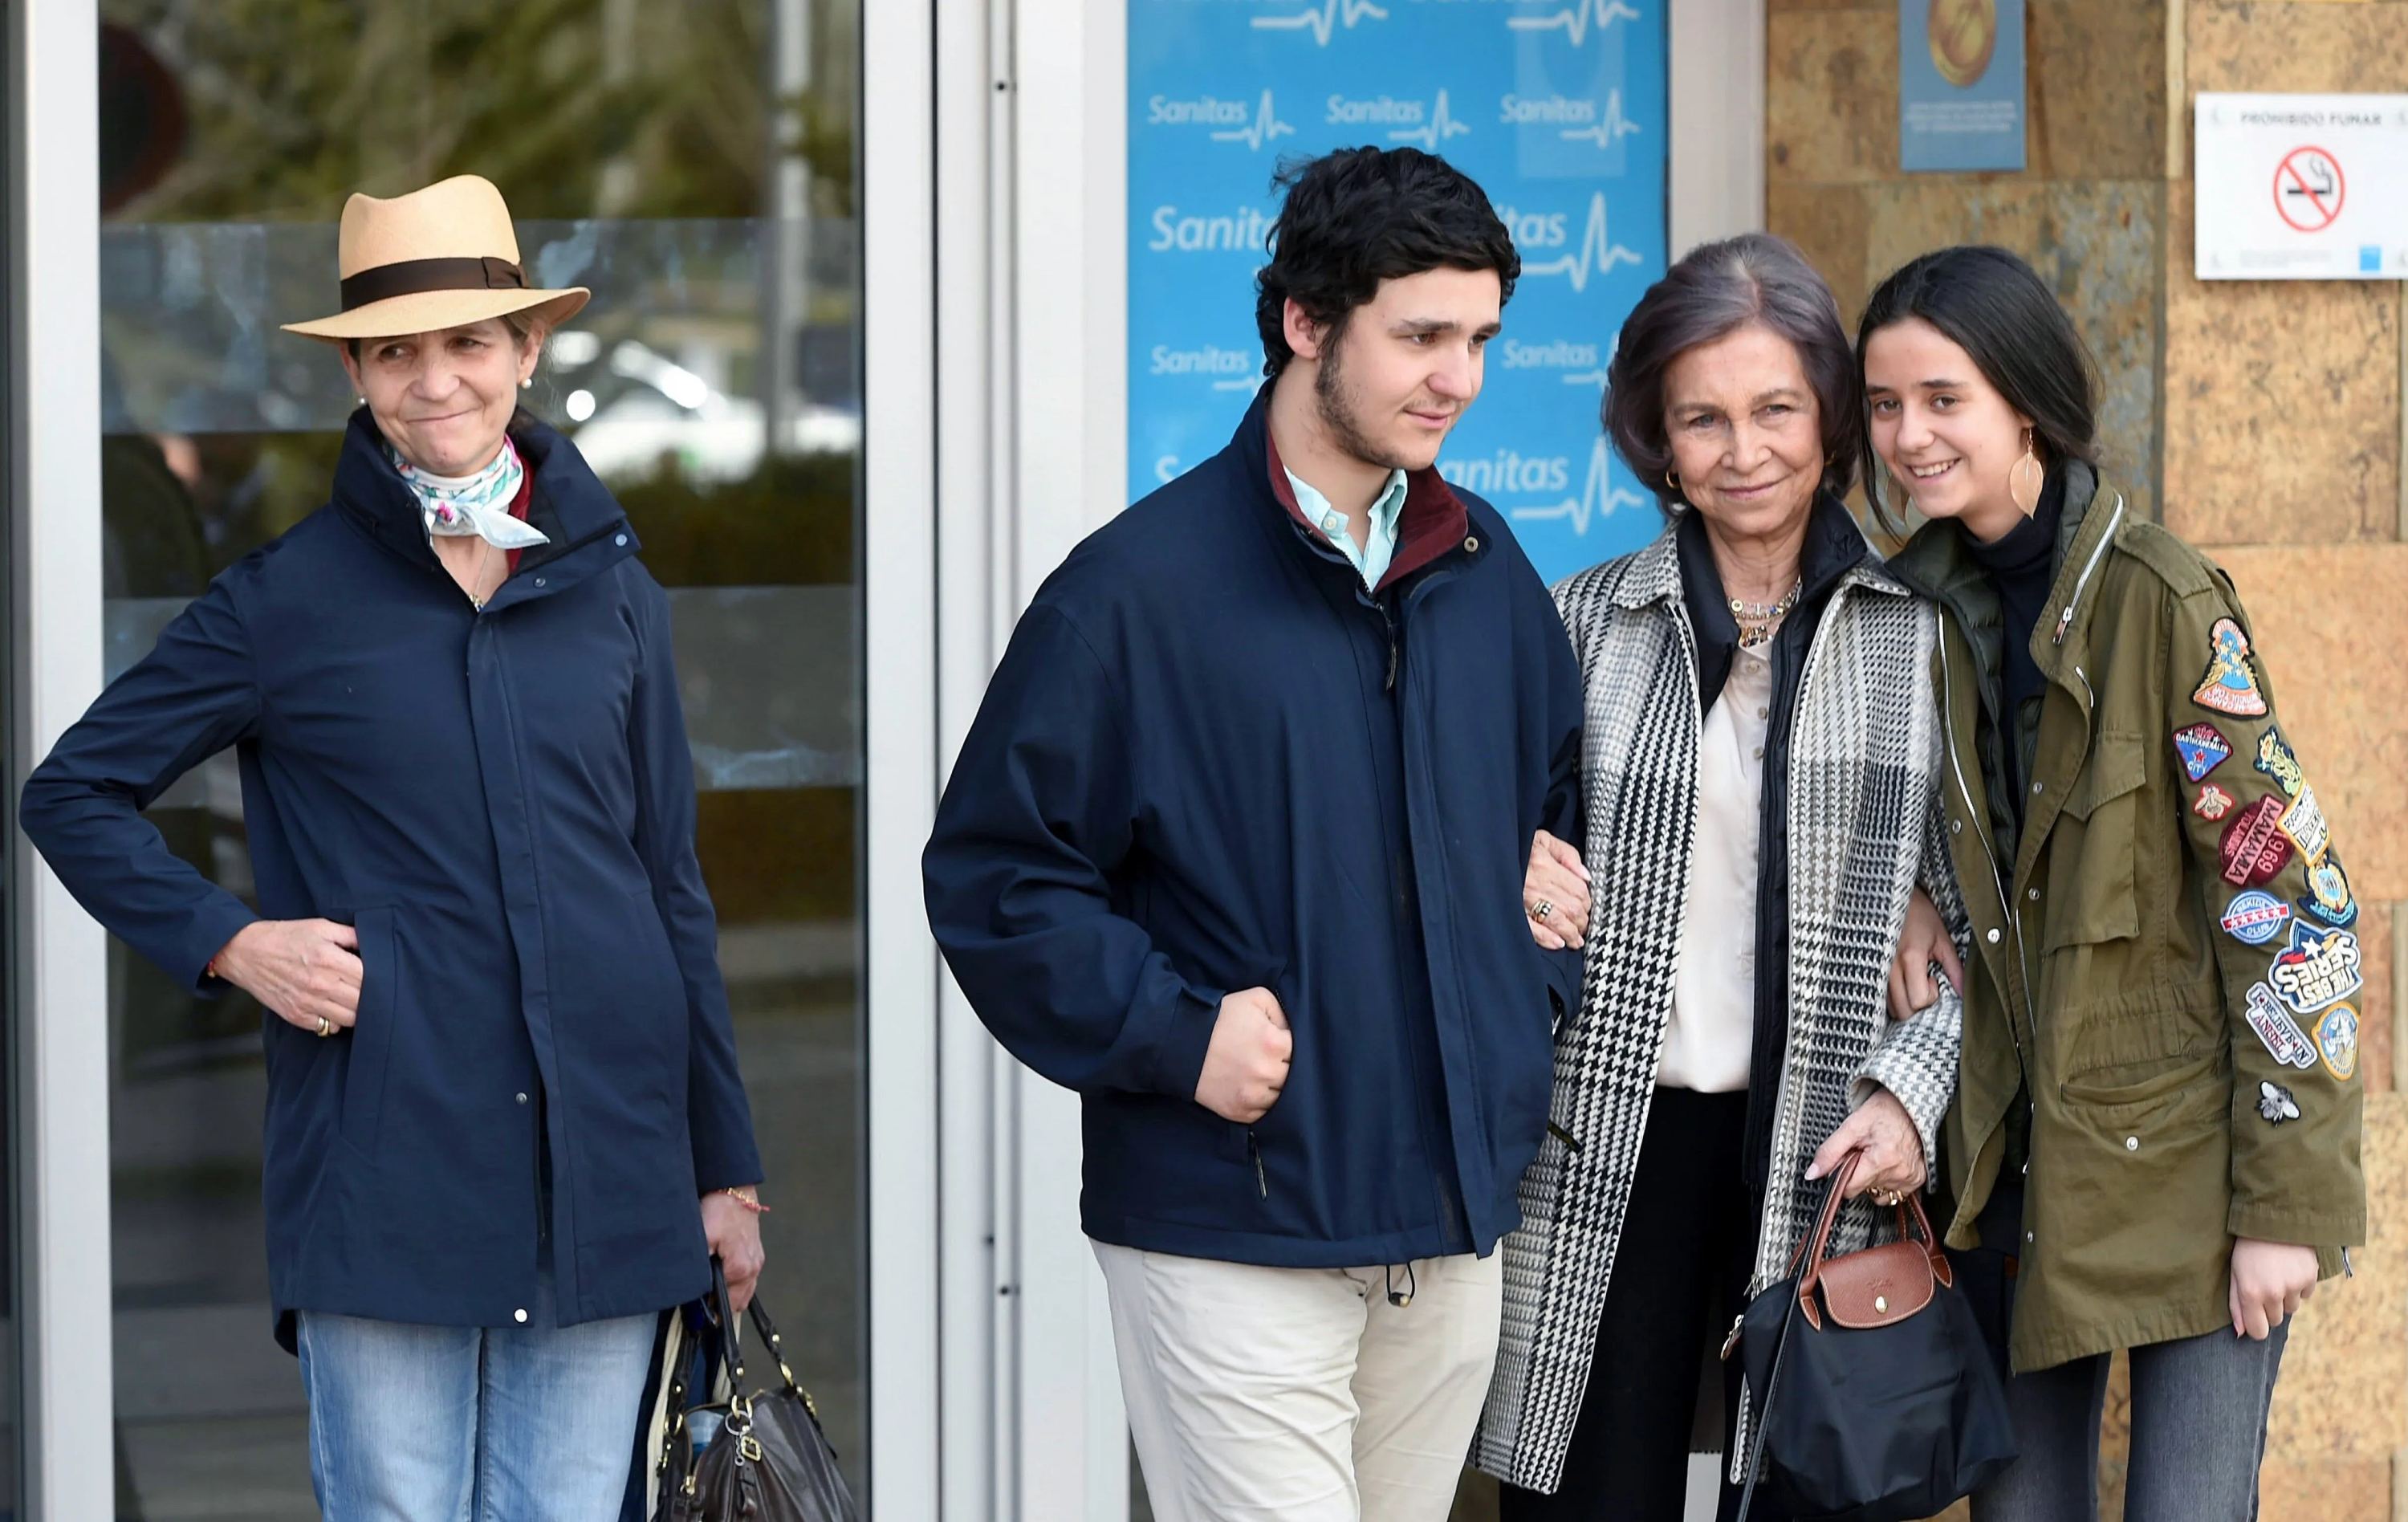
<point x="575" y="108"/>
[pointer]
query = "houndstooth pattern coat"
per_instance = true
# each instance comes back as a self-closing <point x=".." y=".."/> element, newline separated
<point x="1864" y="828"/>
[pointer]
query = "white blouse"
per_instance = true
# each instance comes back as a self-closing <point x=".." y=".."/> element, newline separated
<point x="1708" y="1040"/>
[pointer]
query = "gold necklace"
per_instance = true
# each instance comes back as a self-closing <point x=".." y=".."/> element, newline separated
<point x="1758" y="620"/>
<point x="484" y="564"/>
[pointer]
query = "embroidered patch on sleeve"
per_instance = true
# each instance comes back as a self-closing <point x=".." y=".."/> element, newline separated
<point x="2304" y="823"/>
<point x="2289" y="1045"/>
<point x="2255" y="917"/>
<point x="2275" y="758"/>
<point x="2337" y="1042"/>
<point x="2327" y="896"/>
<point x="2229" y="686"/>
<point x="2275" y="1103"/>
<point x="2320" y="967"/>
<point x="2202" y="748"/>
<point x="2254" y="847"/>
<point x="2213" y="802"/>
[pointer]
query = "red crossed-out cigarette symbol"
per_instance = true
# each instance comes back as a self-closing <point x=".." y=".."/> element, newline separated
<point x="2308" y="189"/>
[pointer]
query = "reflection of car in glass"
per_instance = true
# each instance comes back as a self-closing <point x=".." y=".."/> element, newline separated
<point x="627" y="405"/>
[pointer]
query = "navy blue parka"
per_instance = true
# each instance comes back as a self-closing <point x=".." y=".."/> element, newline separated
<point x="501" y="802"/>
<point x="1209" y="760"/>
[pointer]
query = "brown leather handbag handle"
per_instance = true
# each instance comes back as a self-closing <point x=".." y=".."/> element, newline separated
<point x="1913" y="1226"/>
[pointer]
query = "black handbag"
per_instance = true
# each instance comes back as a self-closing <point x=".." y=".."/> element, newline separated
<point x="1873" y="1396"/>
<point x="770" y="1462"/>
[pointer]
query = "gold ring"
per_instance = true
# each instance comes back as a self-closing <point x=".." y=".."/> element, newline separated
<point x="1543" y="908"/>
<point x="325" y="1026"/>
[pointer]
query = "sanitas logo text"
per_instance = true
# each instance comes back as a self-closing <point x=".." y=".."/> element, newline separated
<point x="1538" y="230"/>
<point x="1385" y="111"/>
<point x="1562" y="355"/>
<point x="1242" y="230"/>
<point x="1534" y="110"/>
<point x="1203" y="111"/>
<point x="1509" y="470"/>
<point x="1210" y="360"/>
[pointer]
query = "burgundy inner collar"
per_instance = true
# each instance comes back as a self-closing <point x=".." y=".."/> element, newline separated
<point x="1432" y="522"/>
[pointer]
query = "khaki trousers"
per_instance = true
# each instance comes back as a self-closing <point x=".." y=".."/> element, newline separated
<point x="1302" y="1395"/>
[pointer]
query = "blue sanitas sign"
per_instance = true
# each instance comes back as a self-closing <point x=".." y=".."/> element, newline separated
<point x="1555" y="106"/>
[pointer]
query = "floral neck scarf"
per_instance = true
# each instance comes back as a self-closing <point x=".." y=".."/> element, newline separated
<point x="480" y="505"/>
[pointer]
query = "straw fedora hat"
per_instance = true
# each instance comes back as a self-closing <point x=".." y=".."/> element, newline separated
<point x="436" y="258"/>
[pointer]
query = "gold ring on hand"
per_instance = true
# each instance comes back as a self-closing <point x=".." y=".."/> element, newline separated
<point x="325" y="1026"/>
<point x="1543" y="908"/>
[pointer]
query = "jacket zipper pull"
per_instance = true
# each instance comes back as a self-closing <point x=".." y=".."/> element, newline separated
<point x="1570" y="1141"/>
<point x="1731" y="1342"/>
<point x="1392" y="663"/>
<point x="1261" y="1180"/>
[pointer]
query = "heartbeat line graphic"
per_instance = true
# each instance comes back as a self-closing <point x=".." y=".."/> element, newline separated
<point x="1441" y="126"/>
<point x="1585" y="377"/>
<point x="1600" y="497"/>
<point x="1266" y="126"/>
<point x="1332" y="15"/>
<point x="1248" y="384"/>
<point x="1609" y="131"/>
<point x="1574" y="21"/>
<point x="1597" y="254"/>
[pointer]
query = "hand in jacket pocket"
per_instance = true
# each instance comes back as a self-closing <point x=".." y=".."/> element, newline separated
<point x="1245" y="1066"/>
<point x="306" y="970"/>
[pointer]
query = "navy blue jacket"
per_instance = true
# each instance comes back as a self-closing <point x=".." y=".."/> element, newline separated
<point x="502" y="804"/>
<point x="1212" y="760"/>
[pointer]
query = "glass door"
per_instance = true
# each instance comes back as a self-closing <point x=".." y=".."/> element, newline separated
<point x="693" y="162"/>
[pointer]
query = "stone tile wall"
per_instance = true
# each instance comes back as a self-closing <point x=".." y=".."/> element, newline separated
<point x="2261" y="420"/>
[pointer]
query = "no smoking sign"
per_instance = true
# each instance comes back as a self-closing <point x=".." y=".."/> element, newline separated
<point x="2308" y="189"/>
<point x="2302" y="187"/>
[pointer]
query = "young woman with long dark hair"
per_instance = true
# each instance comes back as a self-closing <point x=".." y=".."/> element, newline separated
<point x="2155" y="1144"/>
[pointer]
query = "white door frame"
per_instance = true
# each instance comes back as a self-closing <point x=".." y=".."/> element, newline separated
<point x="1029" y="279"/>
<point x="1714" y="136"/>
<point x="898" y="161"/>
<point x="60" y="1063"/>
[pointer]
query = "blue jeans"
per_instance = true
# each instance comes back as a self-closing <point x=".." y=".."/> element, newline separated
<point x="532" y="1423"/>
<point x="2199" y="1431"/>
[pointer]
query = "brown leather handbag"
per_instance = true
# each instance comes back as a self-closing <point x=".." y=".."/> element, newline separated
<point x="1873" y="1395"/>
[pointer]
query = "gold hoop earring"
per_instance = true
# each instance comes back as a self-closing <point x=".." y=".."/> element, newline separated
<point x="2025" y="478"/>
<point x="1672" y="479"/>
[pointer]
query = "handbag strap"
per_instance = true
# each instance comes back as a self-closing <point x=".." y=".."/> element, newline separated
<point x="731" y="1332"/>
<point x="767" y="1331"/>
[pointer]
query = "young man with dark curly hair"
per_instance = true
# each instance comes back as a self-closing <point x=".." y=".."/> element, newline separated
<point x="1243" y="847"/>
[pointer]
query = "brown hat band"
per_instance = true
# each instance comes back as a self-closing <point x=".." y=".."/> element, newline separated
<point x="409" y="276"/>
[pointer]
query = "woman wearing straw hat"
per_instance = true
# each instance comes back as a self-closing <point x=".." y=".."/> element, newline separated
<point x="505" y="1129"/>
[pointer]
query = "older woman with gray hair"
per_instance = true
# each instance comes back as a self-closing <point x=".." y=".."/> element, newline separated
<point x="1760" y="771"/>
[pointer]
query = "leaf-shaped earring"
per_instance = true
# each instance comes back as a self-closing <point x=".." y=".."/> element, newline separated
<point x="2025" y="478"/>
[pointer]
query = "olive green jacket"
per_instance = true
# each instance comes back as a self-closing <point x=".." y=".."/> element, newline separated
<point x="2103" y="983"/>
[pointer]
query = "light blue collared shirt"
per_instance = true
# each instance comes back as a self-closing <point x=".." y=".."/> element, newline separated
<point x="1379" y="545"/>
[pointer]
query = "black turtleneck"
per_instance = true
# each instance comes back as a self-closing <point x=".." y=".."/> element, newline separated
<point x="2021" y="566"/>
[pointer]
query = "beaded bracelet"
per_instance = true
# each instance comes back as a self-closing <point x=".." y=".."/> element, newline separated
<point x="749" y="1202"/>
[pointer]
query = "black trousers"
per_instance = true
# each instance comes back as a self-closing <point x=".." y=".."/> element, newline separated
<point x="1680" y="1276"/>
